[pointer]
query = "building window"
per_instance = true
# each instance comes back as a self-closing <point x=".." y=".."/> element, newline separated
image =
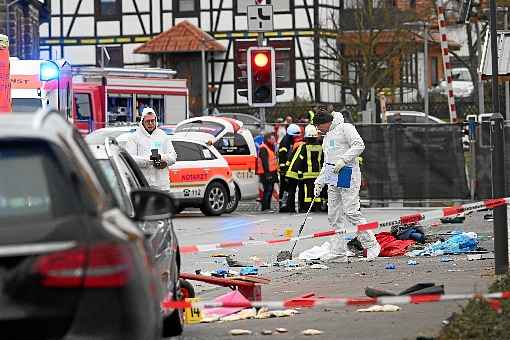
<point x="116" y="56"/>
<point x="433" y="71"/>
<point x="186" y="8"/>
<point x="412" y="4"/>
<point x="108" y="9"/>
<point x="83" y="106"/>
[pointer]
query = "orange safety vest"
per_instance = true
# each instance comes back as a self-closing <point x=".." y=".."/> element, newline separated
<point x="273" y="161"/>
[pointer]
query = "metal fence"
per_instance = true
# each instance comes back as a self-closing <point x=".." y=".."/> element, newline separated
<point x="413" y="161"/>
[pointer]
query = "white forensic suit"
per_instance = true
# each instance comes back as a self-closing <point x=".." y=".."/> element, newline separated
<point x="139" y="146"/>
<point x="343" y="142"/>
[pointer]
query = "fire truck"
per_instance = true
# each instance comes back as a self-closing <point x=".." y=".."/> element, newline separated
<point x="115" y="96"/>
<point x="39" y="84"/>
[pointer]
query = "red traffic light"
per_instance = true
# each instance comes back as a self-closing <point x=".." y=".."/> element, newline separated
<point x="261" y="59"/>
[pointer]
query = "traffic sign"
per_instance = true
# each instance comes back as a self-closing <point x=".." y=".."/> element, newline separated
<point x="278" y="5"/>
<point x="260" y="18"/>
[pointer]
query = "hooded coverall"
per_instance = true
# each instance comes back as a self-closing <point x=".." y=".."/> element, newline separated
<point x="343" y="142"/>
<point x="139" y="146"/>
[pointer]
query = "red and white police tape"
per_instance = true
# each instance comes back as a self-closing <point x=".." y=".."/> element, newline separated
<point x="335" y="301"/>
<point x="406" y="219"/>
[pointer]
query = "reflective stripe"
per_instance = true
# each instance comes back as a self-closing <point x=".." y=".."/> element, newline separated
<point x="290" y="172"/>
<point x="315" y="148"/>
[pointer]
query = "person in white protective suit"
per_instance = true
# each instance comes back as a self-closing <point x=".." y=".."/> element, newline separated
<point x="152" y="150"/>
<point x="342" y="145"/>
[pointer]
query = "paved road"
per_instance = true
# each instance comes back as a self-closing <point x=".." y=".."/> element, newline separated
<point x="340" y="279"/>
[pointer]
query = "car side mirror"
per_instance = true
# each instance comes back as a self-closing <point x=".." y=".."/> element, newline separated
<point x="152" y="205"/>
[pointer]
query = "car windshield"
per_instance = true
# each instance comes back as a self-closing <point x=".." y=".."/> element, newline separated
<point x="462" y="75"/>
<point x="201" y="126"/>
<point x="98" y="136"/>
<point x="42" y="193"/>
<point x="26" y="104"/>
<point x="113" y="180"/>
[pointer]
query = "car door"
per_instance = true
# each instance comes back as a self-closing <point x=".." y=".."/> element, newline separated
<point x="160" y="235"/>
<point x="241" y="157"/>
<point x="191" y="173"/>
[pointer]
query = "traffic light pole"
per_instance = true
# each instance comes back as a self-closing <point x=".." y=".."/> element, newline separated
<point x="498" y="157"/>
<point x="262" y="110"/>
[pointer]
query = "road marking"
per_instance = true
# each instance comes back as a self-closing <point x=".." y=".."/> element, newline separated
<point x="228" y="227"/>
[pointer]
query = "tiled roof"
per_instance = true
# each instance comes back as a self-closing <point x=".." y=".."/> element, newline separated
<point x="183" y="37"/>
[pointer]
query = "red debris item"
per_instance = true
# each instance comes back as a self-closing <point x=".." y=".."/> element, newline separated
<point x="390" y="246"/>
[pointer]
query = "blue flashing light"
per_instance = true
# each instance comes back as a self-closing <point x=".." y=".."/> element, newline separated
<point x="49" y="71"/>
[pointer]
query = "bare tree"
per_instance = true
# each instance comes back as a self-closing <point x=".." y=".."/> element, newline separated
<point x="372" y="42"/>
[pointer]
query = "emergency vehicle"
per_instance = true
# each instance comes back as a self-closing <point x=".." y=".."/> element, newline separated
<point x="37" y="84"/>
<point x="200" y="178"/>
<point x="234" y="143"/>
<point x="112" y="96"/>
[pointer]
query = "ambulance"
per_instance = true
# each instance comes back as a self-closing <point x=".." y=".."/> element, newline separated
<point x="37" y="84"/>
<point x="200" y="178"/>
<point x="234" y="143"/>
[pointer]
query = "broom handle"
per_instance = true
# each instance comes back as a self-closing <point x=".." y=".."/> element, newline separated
<point x="303" y="225"/>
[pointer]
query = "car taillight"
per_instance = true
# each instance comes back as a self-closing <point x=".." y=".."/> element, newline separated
<point x="98" y="266"/>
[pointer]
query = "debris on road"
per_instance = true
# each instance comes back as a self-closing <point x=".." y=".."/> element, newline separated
<point x="391" y="246"/>
<point x="319" y="266"/>
<point x="232" y="262"/>
<point x="287" y="263"/>
<point x="454" y="219"/>
<point x="249" y="271"/>
<point x="379" y="308"/>
<point x="240" y="332"/>
<point x="219" y="255"/>
<point x="390" y="266"/>
<point x="284" y="313"/>
<point x="234" y="296"/>
<point x="311" y="332"/>
<point x="456" y="244"/>
<point x="417" y="289"/>
<point x="210" y="319"/>
<point x="446" y="259"/>
<point x="412" y="262"/>
<point x="249" y="313"/>
<point x="471" y="257"/>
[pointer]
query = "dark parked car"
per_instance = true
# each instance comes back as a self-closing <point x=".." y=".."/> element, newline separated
<point x="72" y="264"/>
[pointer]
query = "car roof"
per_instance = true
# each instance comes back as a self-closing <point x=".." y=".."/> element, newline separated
<point x="29" y="125"/>
<point x="99" y="151"/>
<point x="229" y="114"/>
<point x="413" y="113"/>
<point x="183" y="139"/>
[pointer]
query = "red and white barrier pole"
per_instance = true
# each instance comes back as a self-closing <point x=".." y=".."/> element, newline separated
<point x="446" y="60"/>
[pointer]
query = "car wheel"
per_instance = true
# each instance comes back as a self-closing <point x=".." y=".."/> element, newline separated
<point x="187" y="290"/>
<point x="173" y="324"/>
<point x="234" y="202"/>
<point x="215" y="200"/>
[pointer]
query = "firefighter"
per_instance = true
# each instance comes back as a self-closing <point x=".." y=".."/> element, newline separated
<point x="288" y="144"/>
<point x="267" y="168"/>
<point x="304" y="167"/>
